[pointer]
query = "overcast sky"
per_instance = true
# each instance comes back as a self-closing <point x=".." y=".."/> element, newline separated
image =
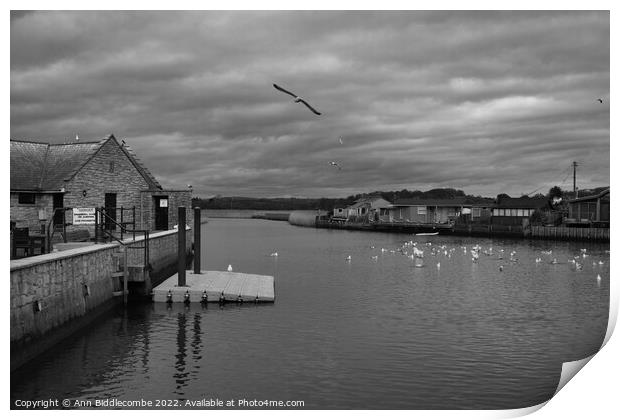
<point x="487" y="102"/>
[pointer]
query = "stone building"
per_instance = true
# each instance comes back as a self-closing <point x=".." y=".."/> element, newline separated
<point x="86" y="175"/>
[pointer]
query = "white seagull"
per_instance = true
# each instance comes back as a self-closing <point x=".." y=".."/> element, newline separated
<point x="297" y="98"/>
<point x="340" y="139"/>
<point x="335" y="164"/>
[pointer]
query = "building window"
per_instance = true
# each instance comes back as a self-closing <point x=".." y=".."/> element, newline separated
<point x="421" y="210"/>
<point x="475" y="212"/>
<point x="25" y="198"/>
<point x="111" y="166"/>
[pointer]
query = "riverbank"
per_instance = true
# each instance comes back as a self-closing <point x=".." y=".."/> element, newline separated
<point x="310" y="219"/>
<point x="246" y="214"/>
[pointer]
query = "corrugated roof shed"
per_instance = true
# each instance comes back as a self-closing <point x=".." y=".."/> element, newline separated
<point x="439" y="202"/>
<point x="521" y="203"/>
<point x="591" y="197"/>
<point x="45" y="167"/>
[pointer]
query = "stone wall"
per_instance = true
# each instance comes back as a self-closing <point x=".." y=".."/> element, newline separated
<point x="58" y="282"/>
<point x="97" y="178"/>
<point x="70" y="284"/>
<point x="163" y="248"/>
<point x="108" y="171"/>
<point x="176" y="199"/>
<point x="29" y="215"/>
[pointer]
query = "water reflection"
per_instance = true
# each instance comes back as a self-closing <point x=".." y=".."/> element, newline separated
<point x="181" y="374"/>
<point x="365" y="333"/>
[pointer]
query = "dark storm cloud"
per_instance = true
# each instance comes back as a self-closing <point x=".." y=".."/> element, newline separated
<point x="488" y="102"/>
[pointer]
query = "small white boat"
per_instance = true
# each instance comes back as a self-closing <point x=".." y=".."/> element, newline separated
<point x="427" y="234"/>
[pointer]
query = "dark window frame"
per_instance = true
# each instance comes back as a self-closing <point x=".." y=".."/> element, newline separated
<point x="26" y="198"/>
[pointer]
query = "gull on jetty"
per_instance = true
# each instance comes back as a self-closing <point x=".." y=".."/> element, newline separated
<point x="229" y="268"/>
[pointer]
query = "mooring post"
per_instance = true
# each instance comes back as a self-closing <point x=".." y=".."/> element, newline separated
<point x="181" y="248"/>
<point x="197" y="253"/>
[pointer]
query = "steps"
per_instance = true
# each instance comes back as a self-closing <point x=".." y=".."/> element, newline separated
<point x="121" y="272"/>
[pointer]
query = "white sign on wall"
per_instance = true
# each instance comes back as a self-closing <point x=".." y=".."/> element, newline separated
<point x="163" y="202"/>
<point x="84" y="216"/>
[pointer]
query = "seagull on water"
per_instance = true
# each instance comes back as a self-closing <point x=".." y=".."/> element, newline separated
<point x="335" y="164"/>
<point x="297" y="98"/>
<point x="600" y="100"/>
<point x="340" y="139"/>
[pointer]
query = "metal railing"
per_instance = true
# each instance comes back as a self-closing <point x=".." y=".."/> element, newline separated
<point x="52" y="227"/>
<point x="103" y="219"/>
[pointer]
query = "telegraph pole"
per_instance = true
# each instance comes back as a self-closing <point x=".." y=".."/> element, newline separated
<point x="575" y="179"/>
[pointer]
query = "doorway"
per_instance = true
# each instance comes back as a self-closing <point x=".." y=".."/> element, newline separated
<point x="58" y="215"/>
<point x="110" y="211"/>
<point x="161" y="212"/>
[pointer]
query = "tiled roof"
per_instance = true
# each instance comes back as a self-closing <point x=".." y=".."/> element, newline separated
<point x="27" y="164"/>
<point x="45" y="167"/>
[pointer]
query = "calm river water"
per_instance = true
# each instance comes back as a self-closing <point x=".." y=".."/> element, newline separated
<point x="363" y="333"/>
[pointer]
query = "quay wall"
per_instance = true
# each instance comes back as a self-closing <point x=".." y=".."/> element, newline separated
<point x="483" y="230"/>
<point x="163" y="255"/>
<point x="570" y="233"/>
<point x="54" y="295"/>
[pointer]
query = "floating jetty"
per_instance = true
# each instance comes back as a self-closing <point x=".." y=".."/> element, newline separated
<point x="213" y="285"/>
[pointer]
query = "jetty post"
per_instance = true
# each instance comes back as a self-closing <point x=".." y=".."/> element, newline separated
<point x="197" y="253"/>
<point x="181" y="246"/>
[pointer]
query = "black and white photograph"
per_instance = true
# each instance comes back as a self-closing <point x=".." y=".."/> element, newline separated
<point x="307" y="209"/>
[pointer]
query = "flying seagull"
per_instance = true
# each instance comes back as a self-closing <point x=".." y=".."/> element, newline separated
<point x="335" y="164"/>
<point x="297" y="98"/>
<point x="600" y="100"/>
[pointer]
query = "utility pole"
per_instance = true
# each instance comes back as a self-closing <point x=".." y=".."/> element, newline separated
<point x="575" y="179"/>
